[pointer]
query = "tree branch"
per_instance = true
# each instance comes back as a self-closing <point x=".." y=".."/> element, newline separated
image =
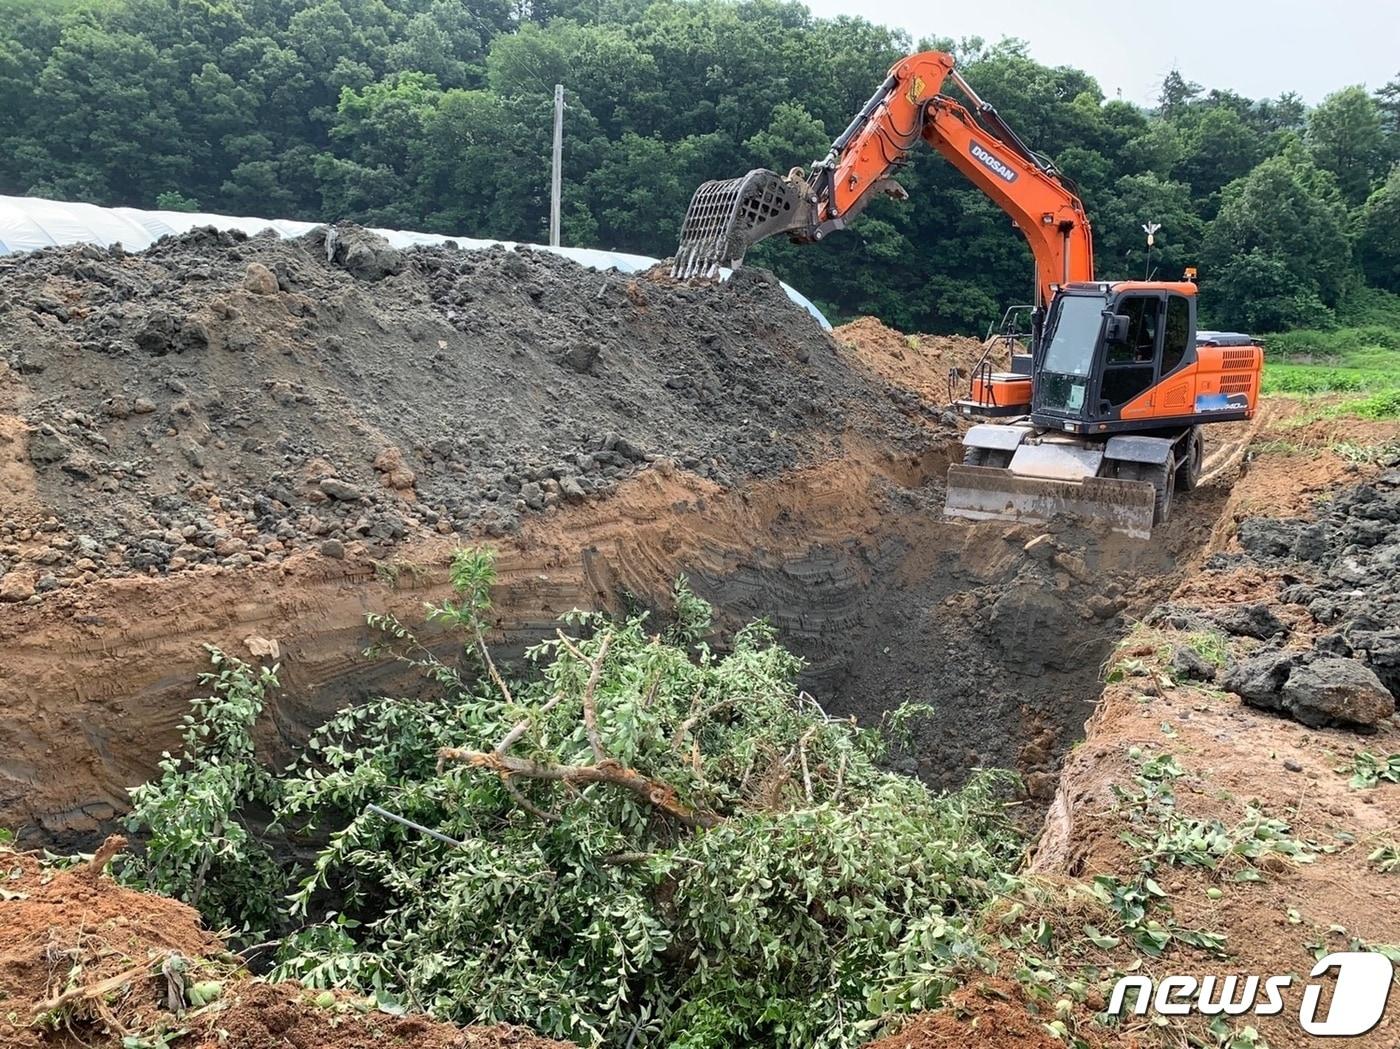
<point x="696" y="716"/>
<point x="525" y="803"/>
<point x="659" y="795"/>
<point x="590" y="703"/>
<point x="522" y="726"/>
<point x="485" y="654"/>
<point x="802" y="757"/>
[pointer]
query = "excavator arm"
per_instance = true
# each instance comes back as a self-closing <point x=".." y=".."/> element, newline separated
<point x="728" y="217"/>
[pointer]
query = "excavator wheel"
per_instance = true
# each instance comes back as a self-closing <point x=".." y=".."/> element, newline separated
<point x="993" y="457"/>
<point x="1188" y="474"/>
<point x="1163" y="479"/>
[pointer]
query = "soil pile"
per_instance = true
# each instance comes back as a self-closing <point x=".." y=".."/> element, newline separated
<point x="220" y="399"/>
<point x="918" y="363"/>
<point x="84" y="961"/>
<point x="61" y="931"/>
<point x="989" y="1014"/>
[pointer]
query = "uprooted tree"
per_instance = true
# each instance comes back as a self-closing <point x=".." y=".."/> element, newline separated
<point x="633" y="840"/>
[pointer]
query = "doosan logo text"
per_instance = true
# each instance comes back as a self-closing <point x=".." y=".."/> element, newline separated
<point x="998" y="167"/>
<point x="1357" y="1004"/>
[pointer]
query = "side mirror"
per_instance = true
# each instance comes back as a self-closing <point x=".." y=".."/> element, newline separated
<point x="1117" y="326"/>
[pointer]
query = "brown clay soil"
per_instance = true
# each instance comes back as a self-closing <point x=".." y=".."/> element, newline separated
<point x="919" y="363"/>
<point x="987" y="1013"/>
<point x="86" y="962"/>
<point x="1235" y="757"/>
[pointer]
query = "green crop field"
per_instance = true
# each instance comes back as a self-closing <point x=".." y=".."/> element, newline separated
<point x="1360" y="362"/>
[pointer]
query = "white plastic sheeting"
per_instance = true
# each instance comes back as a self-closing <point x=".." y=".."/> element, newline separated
<point x="29" y="223"/>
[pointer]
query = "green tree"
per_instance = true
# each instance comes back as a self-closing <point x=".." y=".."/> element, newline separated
<point x="1378" y="242"/>
<point x="1219" y="148"/>
<point x="435" y="114"/>
<point x="1120" y="243"/>
<point x="1345" y="136"/>
<point x="793" y="133"/>
<point x="1284" y="218"/>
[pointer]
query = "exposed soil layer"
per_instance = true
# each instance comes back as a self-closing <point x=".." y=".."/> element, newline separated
<point x="93" y="963"/>
<point x="993" y="625"/>
<point x="988" y="1014"/>
<point x="999" y="629"/>
<point x="1270" y="587"/>
<point x="224" y="400"/>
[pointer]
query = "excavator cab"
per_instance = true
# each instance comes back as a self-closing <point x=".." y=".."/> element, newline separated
<point x="1122" y="383"/>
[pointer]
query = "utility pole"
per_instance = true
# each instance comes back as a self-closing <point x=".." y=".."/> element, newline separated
<point x="557" y="176"/>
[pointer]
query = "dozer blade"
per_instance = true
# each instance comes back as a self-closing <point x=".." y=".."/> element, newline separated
<point x="728" y="216"/>
<point x="983" y="492"/>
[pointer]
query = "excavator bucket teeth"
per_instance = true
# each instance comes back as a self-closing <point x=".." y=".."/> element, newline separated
<point x="728" y="216"/>
<point x="982" y="492"/>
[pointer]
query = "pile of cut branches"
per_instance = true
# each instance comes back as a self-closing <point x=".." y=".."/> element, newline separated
<point x="633" y="839"/>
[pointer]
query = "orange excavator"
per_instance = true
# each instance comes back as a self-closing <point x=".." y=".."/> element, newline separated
<point x="1101" y="415"/>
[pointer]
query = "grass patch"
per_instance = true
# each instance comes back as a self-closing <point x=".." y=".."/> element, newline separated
<point x="1368" y="373"/>
<point x="1210" y="645"/>
<point x="1360" y="360"/>
<point x="1334" y="344"/>
<point x="1383" y="405"/>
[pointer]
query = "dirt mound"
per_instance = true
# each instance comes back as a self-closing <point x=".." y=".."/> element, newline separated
<point x="918" y="363"/>
<point x="287" y="1016"/>
<point x="84" y="961"/>
<point x="223" y="400"/>
<point x="988" y="1014"/>
<point x="62" y="931"/>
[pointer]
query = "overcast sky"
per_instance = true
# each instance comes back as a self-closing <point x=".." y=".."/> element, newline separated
<point x="1256" y="47"/>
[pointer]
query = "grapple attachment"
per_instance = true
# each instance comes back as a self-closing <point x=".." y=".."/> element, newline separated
<point x="726" y="217"/>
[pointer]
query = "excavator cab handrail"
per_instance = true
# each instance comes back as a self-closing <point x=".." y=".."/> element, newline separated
<point x="1008" y="331"/>
<point x="1006" y="335"/>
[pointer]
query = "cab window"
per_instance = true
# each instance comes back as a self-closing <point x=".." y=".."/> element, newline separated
<point x="1176" y="336"/>
<point x="1130" y="365"/>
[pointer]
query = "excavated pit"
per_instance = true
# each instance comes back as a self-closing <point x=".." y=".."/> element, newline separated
<point x="893" y="605"/>
<point x="254" y="443"/>
<point x="1001" y="629"/>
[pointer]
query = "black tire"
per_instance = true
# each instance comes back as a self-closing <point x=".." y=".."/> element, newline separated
<point x="999" y="457"/>
<point x="1188" y="474"/>
<point x="974" y="456"/>
<point x="1163" y="480"/>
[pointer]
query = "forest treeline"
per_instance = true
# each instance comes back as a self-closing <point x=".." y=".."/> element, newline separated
<point x="436" y="115"/>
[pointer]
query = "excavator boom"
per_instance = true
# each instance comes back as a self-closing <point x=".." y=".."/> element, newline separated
<point x="729" y="216"/>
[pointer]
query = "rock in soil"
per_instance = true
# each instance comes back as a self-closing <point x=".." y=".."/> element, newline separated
<point x="1253" y="620"/>
<point x="1331" y="691"/>
<point x="1190" y="665"/>
<point x="1259" y="681"/>
<point x="1346" y="564"/>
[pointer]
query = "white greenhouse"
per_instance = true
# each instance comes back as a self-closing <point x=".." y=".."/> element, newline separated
<point x="29" y="223"/>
